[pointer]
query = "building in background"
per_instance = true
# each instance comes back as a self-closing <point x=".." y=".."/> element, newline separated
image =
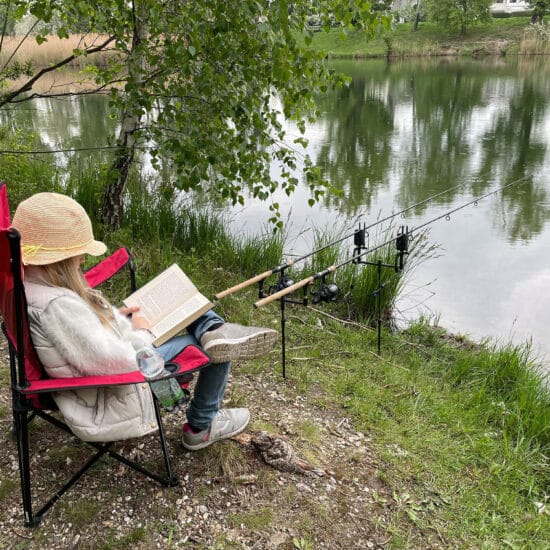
<point x="499" y="7"/>
<point x="510" y="7"/>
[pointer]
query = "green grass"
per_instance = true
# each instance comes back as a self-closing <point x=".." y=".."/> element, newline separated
<point x="81" y="513"/>
<point x="427" y="40"/>
<point x="458" y="458"/>
<point x="135" y="537"/>
<point x="7" y="487"/>
<point x="226" y="459"/>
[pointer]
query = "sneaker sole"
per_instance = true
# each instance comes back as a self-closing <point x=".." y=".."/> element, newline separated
<point x="204" y="444"/>
<point x="247" y="347"/>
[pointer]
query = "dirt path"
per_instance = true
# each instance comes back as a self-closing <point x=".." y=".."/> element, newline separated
<point x="228" y="497"/>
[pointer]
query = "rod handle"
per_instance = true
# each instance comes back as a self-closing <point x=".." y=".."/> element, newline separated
<point x="242" y="285"/>
<point x="284" y="292"/>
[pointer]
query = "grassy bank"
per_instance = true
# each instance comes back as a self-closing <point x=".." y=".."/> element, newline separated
<point x="500" y="36"/>
<point x="459" y="432"/>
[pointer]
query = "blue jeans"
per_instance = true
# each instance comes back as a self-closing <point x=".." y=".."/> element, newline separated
<point x="212" y="380"/>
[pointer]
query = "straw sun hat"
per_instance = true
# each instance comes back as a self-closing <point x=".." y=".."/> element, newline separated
<point x="54" y="227"/>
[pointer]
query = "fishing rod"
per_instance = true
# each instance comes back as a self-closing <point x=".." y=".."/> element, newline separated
<point x="320" y="274"/>
<point x="401" y="242"/>
<point x="359" y="238"/>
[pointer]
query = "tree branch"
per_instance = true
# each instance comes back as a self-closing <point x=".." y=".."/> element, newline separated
<point x="30" y="83"/>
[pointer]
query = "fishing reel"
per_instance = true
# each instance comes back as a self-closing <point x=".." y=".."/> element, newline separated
<point x="327" y="292"/>
<point x="281" y="284"/>
<point x="402" y="246"/>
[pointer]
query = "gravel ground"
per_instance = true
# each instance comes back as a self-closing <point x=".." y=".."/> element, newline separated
<point x="229" y="496"/>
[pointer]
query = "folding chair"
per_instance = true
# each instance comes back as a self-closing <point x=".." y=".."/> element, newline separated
<point x="31" y="387"/>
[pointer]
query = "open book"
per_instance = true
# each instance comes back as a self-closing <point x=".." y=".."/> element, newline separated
<point x="169" y="302"/>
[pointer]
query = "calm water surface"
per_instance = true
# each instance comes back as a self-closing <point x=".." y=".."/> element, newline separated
<point x="402" y="132"/>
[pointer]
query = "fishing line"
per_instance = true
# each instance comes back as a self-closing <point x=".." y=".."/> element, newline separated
<point x="359" y="237"/>
<point x="405" y="235"/>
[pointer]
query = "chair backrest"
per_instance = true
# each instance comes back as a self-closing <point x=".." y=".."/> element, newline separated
<point x="13" y="307"/>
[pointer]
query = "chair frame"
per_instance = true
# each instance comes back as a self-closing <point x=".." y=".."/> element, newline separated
<point x="26" y="396"/>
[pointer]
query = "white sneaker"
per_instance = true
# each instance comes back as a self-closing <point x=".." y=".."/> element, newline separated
<point x="231" y="342"/>
<point x="228" y="422"/>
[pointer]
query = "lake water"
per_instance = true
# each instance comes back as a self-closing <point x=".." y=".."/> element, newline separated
<point x="400" y="133"/>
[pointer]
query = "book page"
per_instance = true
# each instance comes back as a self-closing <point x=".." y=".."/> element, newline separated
<point x="168" y="300"/>
<point x="180" y="314"/>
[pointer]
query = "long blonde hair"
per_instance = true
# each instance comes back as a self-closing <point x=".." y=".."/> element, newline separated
<point x="67" y="274"/>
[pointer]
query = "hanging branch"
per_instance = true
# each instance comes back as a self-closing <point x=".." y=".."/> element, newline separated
<point x="30" y="83"/>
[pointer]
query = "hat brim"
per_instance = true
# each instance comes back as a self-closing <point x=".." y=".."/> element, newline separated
<point x="45" y="257"/>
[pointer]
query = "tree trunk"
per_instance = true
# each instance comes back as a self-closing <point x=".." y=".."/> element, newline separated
<point x="416" y="21"/>
<point x="113" y="206"/>
<point x="112" y="210"/>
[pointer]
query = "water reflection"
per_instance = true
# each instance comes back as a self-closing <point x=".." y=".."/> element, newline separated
<point x="407" y="130"/>
<point x="357" y="146"/>
<point x="430" y="126"/>
<point x="65" y="123"/>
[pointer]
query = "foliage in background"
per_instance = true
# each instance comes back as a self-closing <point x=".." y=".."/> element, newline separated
<point x="503" y="35"/>
<point x="540" y="8"/>
<point x="25" y="174"/>
<point x="458" y="16"/>
<point x="536" y="39"/>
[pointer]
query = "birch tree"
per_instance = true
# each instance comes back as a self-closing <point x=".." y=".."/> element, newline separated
<point x="207" y="83"/>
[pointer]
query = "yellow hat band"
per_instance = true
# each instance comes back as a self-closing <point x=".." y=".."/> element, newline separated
<point x="30" y="250"/>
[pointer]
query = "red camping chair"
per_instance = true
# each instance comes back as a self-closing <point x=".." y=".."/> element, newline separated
<point x="32" y="389"/>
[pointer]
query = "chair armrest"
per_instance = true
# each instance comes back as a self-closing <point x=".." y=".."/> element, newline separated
<point x="192" y="358"/>
<point x="108" y="267"/>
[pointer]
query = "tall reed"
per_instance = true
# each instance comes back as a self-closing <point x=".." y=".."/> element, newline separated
<point x="53" y="50"/>
<point x="536" y="39"/>
<point x="361" y="290"/>
<point x="25" y="174"/>
<point x="163" y="217"/>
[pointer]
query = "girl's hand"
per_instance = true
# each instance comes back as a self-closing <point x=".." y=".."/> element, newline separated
<point x="128" y="310"/>
<point x="138" y="321"/>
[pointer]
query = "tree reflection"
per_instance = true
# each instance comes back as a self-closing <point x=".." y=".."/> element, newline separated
<point x="512" y="152"/>
<point x="463" y="126"/>
<point x="437" y="155"/>
<point x="356" y="151"/>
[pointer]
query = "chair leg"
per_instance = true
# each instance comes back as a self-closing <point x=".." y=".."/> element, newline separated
<point x="20" y="421"/>
<point x="171" y="479"/>
<point x="102" y="449"/>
